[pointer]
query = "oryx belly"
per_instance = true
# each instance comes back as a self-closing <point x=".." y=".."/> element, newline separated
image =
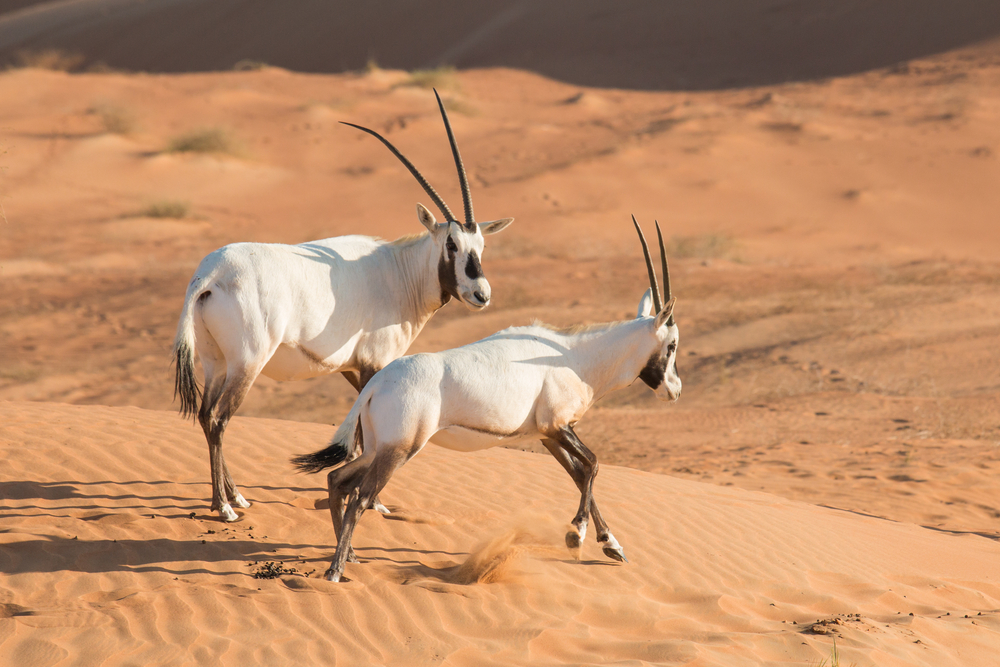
<point x="462" y="439"/>
<point x="292" y="362"/>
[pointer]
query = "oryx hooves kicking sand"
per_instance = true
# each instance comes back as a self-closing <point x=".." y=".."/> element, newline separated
<point x="349" y="304"/>
<point x="523" y="382"/>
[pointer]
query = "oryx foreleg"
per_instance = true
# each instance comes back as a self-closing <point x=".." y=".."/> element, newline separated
<point x="575" y="469"/>
<point x="568" y="441"/>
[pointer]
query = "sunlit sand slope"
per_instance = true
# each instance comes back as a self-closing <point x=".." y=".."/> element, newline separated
<point x="110" y="556"/>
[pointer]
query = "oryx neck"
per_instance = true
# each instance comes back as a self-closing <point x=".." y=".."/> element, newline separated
<point x="415" y="259"/>
<point x="610" y="357"/>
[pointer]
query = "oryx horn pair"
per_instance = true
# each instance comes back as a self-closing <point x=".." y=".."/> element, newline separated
<point x="657" y="304"/>
<point x="470" y="222"/>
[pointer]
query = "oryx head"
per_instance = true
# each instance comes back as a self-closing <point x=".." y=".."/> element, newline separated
<point x="459" y="244"/>
<point x="660" y="371"/>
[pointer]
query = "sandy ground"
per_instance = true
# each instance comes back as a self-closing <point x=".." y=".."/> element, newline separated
<point x="110" y="557"/>
<point x="834" y="251"/>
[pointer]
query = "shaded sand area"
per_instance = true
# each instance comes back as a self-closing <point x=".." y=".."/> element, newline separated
<point x="110" y="557"/>
<point x="636" y="44"/>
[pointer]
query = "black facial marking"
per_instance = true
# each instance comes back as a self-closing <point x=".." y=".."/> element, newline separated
<point x="655" y="371"/>
<point x="473" y="268"/>
<point x="447" y="278"/>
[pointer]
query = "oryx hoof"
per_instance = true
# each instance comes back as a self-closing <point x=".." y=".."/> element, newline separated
<point x="379" y="507"/>
<point x="573" y="540"/>
<point x="240" y="501"/>
<point x="227" y="514"/>
<point x="615" y="553"/>
<point x="352" y="557"/>
<point x="573" y="543"/>
<point x="332" y="575"/>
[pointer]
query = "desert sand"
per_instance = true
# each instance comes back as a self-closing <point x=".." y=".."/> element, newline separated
<point x="111" y="557"/>
<point x="830" y="469"/>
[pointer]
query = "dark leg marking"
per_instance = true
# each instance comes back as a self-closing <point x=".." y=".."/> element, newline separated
<point x="576" y="471"/>
<point x="360" y="379"/>
<point x="352" y="377"/>
<point x="581" y="464"/>
<point x="358" y="487"/>
<point x="219" y="403"/>
<point x="569" y="442"/>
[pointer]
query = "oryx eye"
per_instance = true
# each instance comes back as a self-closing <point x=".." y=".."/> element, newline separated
<point x="451" y="245"/>
<point x="671" y="348"/>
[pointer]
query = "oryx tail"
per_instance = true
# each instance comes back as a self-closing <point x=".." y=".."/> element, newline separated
<point x="347" y="437"/>
<point x="185" y="383"/>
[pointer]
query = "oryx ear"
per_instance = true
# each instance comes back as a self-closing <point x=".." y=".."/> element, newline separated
<point x="494" y="226"/>
<point x="665" y="314"/>
<point x="427" y="218"/>
<point x="645" y="304"/>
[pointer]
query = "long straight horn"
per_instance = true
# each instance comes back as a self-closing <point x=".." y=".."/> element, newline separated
<point x="666" y="271"/>
<point x="657" y="304"/>
<point x="431" y="192"/>
<point x="462" y="178"/>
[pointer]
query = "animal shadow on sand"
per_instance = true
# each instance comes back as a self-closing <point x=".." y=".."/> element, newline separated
<point x="90" y="502"/>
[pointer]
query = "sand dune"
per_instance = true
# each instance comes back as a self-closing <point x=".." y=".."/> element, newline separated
<point x="833" y="246"/>
<point x="111" y="556"/>
<point x="638" y="44"/>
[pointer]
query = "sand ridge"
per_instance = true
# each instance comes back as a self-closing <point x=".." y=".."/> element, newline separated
<point x="109" y="552"/>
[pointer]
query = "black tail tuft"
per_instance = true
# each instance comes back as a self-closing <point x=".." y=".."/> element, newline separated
<point x="336" y="453"/>
<point x="185" y="384"/>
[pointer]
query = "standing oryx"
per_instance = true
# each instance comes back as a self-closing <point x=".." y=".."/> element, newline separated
<point x="522" y="382"/>
<point x="349" y="305"/>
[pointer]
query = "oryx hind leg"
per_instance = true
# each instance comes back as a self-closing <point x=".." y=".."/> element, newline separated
<point x="340" y="484"/>
<point x="221" y="400"/>
<point x="232" y="355"/>
<point x="581" y="464"/>
<point x="358" y="381"/>
<point x="351" y="493"/>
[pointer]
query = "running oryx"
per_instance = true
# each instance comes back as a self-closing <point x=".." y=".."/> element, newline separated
<point x="523" y="382"/>
<point x="349" y="305"/>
